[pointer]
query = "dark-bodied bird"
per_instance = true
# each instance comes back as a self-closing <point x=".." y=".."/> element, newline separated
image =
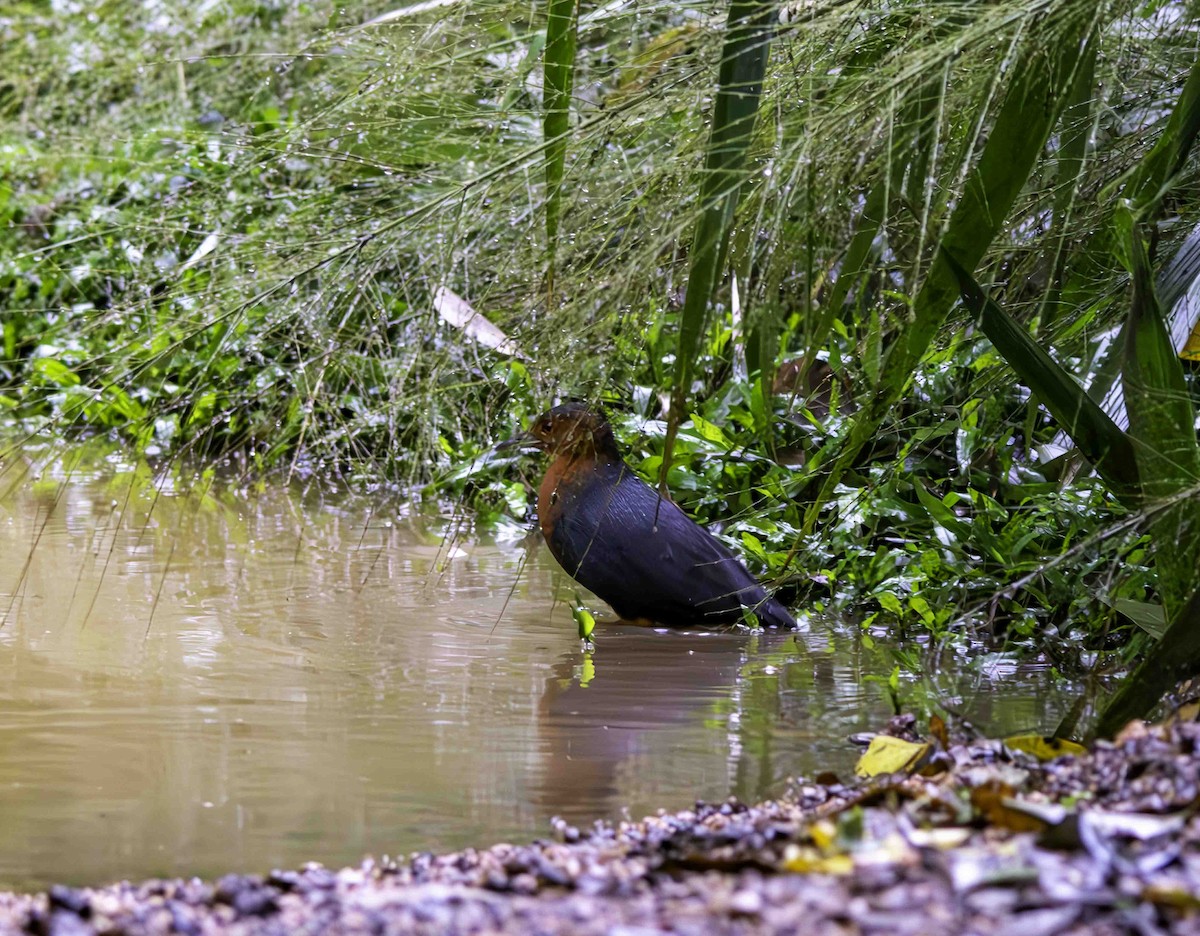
<point x="617" y="537"/>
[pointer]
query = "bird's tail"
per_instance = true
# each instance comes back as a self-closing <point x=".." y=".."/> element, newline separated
<point x="771" y="613"/>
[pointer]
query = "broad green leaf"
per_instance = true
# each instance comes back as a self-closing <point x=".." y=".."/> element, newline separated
<point x="754" y="546"/>
<point x="1162" y="423"/>
<point x="1093" y="431"/>
<point x="1147" y="183"/>
<point x="1148" y="616"/>
<point x="1142" y="189"/>
<point x="56" y="372"/>
<point x="921" y="606"/>
<point x="889" y="602"/>
<point x="1175" y="657"/>
<point x="942" y="515"/>
<point x="708" y="431"/>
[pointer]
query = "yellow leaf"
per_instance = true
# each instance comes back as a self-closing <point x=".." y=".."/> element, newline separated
<point x="1169" y="894"/>
<point x="823" y="833"/>
<point x="810" y="861"/>
<point x="1044" y="747"/>
<point x="995" y="802"/>
<point x="888" y="755"/>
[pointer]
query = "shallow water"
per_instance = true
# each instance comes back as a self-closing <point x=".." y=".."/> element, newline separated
<point x="235" y="682"/>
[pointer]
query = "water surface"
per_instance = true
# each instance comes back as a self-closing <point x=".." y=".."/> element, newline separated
<point x="239" y="681"/>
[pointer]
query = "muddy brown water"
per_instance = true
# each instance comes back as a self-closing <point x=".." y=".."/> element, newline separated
<point x="234" y="682"/>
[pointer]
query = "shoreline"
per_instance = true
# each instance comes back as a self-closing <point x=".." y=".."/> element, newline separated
<point x="993" y="841"/>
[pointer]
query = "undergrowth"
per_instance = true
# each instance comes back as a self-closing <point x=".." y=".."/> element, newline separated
<point x="222" y="226"/>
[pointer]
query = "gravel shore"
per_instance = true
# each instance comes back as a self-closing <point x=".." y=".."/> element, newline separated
<point x="993" y="841"/>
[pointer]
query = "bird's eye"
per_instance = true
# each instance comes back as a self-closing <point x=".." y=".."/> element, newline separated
<point x="545" y="427"/>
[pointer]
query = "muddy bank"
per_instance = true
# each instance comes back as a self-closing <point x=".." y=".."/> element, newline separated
<point x="993" y="841"/>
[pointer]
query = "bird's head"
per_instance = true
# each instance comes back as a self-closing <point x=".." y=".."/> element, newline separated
<point x="570" y="429"/>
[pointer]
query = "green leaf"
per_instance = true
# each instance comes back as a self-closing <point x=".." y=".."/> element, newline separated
<point x="1162" y="424"/>
<point x="921" y="606"/>
<point x="1175" y="657"/>
<point x="56" y="372"/>
<point x="754" y="546"/>
<point x="942" y="515"/>
<point x="1040" y="84"/>
<point x="873" y="350"/>
<point x="1148" y="182"/>
<point x="1148" y="616"/>
<point x="710" y="432"/>
<point x="889" y="602"/>
<point x="1093" y="431"/>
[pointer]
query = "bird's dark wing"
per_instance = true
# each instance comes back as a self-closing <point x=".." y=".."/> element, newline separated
<point x="647" y="558"/>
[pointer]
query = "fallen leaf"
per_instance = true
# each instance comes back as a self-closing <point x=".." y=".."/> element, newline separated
<point x="887" y="755"/>
<point x="1171" y="895"/>
<point x="460" y="313"/>
<point x="804" y="860"/>
<point x="937" y="728"/>
<point x="1044" y="747"/>
<point x="941" y="839"/>
<point x="994" y="801"/>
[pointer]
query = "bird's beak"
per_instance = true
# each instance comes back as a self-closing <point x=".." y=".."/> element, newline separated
<point x="523" y="440"/>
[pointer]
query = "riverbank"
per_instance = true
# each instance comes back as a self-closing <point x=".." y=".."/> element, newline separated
<point x="993" y="841"/>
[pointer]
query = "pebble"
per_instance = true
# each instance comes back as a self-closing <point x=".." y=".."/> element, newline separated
<point x="746" y="902"/>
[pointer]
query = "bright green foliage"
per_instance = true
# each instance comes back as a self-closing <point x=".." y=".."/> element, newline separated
<point x="1100" y="440"/>
<point x="1042" y="79"/>
<point x="584" y="619"/>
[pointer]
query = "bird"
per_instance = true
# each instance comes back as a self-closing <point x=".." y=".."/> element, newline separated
<point x="628" y="544"/>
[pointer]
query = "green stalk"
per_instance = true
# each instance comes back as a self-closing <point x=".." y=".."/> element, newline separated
<point x="559" y="78"/>
<point x="726" y="167"/>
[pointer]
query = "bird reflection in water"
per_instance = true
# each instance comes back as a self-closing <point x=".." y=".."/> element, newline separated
<point x="645" y="697"/>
